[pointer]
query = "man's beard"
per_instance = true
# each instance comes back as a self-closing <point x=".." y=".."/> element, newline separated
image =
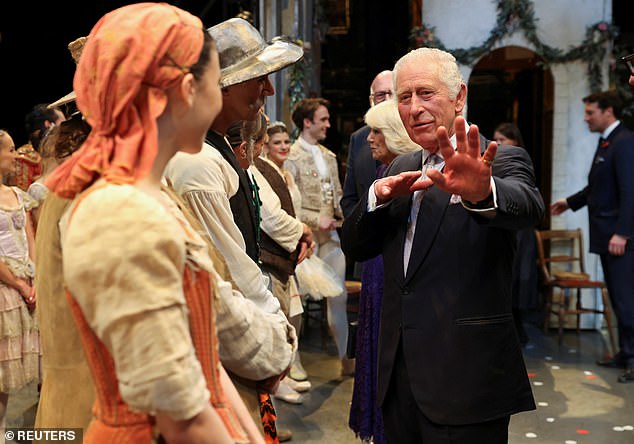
<point x="257" y="105"/>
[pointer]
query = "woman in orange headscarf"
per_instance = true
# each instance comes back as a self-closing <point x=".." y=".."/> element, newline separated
<point x="139" y="278"/>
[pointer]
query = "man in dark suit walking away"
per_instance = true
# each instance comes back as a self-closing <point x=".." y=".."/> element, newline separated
<point x="450" y="364"/>
<point x="609" y="196"/>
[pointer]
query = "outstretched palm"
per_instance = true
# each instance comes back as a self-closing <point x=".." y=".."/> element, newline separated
<point x="466" y="173"/>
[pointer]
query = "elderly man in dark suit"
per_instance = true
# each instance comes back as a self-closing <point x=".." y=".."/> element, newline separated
<point x="450" y="364"/>
<point x="361" y="167"/>
<point x="609" y="196"/>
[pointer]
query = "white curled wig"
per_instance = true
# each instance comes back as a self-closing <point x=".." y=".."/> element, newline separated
<point x="385" y="117"/>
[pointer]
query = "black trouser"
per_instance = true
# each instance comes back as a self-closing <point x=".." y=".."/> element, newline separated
<point x="405" y="423"/>
<point x="619" y="278"/>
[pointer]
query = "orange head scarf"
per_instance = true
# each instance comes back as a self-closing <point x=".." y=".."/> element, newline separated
<point x="132" y="56"/>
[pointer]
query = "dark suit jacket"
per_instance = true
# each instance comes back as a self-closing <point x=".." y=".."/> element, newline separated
<point x="360" y="170"/>
<point x="452" y="311"/>
<point x="610" y="191"/>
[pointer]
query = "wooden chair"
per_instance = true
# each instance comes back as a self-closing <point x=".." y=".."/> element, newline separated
<point x="316" y="310"/>
<point x="560" y="256"/>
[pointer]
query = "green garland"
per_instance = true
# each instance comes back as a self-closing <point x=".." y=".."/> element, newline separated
<point x="297" y="79"/>
<point x="297" y="83"/>
<point x="520" y="14"/>
<point x="619" y="75"/>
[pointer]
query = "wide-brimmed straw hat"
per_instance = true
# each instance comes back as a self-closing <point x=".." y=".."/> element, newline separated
<point x="245" y="55"/>
<point x="75" y="47"/>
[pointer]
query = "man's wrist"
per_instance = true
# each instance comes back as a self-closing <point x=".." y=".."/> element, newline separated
<point x="481" y="204"/>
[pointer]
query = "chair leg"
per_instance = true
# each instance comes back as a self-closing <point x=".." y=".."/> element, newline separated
<point x="608" y="319"/>
<point x="324" y="323"/>
<point x="547" y="312"/>
<point x="562" y="309"/>
<point x="579" y="309"/>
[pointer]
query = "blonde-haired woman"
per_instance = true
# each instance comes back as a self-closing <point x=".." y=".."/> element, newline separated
<point x="388" y="139"/>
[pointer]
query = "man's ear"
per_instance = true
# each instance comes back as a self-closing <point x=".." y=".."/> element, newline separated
<point x="307" y="122"/>
<point x="461" y="99"/>
<point x="242" y="149"/>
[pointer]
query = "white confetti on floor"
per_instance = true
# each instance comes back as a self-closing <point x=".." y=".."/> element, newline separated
<point x="542" y="404"/>
<point x="550" y="419"/>
<point x="538" y="383"/>
<point x="531" y="435"/>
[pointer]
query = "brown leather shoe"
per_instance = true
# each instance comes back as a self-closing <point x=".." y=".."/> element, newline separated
<point x="284" y="435"/>
<point x="628" y="376"/>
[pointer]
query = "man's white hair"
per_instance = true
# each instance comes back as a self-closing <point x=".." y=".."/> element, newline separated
<point x="385" y="118"/>
<point x="445" y="63"/>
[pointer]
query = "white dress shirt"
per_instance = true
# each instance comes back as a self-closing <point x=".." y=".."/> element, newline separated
<point x="417" y="198"/>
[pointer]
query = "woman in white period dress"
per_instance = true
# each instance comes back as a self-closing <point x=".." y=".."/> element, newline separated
<point x="19" y="339"/>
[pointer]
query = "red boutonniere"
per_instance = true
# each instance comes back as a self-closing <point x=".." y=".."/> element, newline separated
<point x="605" y="144"/>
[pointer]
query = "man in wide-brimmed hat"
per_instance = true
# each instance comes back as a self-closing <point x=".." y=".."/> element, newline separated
<point x="222" y="196"/>
<point x="75" y="47"/>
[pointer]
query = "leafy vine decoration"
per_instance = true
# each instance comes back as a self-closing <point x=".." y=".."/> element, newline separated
<point x="297" y="75"/>
<point x="515" y="15"/>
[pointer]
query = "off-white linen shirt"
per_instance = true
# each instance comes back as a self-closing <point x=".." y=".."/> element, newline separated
<point x="256" y="340"/>
<point x="283" y="228"/>
<point x="206" y="181"/>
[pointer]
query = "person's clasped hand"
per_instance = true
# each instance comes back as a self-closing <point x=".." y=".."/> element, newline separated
<point x="326" y="223"/>
<point x="27" y="292"/>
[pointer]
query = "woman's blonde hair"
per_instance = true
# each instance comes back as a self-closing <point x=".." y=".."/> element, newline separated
<point x="385" y="117"/>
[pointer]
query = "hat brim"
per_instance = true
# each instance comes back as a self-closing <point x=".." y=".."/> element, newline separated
<point x="70" y="97"/>
<point x="276" y="56"/>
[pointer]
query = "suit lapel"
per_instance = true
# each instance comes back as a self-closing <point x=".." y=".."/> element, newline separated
<point x="603" y="156"/>
<point x="430" y="215"/>
<point x="367" y="165"/>
<point x="401" y="208"/>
